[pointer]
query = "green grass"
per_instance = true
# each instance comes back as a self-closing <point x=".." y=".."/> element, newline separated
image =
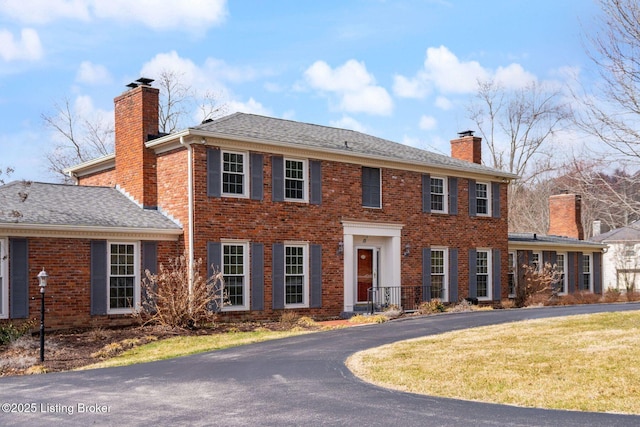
<point x="585" y="363"/>
<point x="186" y="345"/>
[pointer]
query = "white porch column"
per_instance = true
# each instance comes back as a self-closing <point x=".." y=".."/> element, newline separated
<point x="348" y="273"/>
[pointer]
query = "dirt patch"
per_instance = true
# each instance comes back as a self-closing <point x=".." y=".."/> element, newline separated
<point x="67" y="350"/>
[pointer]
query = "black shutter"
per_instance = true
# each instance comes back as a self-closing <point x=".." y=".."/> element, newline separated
<point x="315" y="279"/>
<point x="426" y="193"/>
<point x="315" y="172"/>
<point x="426" y="274"/>
<point x="473" y="204"/>
<point x="453" y="275"/>
<point x="277" y="178"/>
<point x="571" y="266"/>
<point x="150" y="263"/>
<point x="214" y="171"/>
<point x="277" y="270"/>
<point x="495" y="194"/>
<point x="257" y="276"/>
<point x="256" y="167"/>
<point x="473" y="270"/>
<point x="19" y="278"/>
<point x="99" y="285"/>
<point x="580" y="271"/>
<point x="214" y="263"/>
<point x="497" y="272"/>
<point x="453" y="195"/>
<point x="597" y="273"/>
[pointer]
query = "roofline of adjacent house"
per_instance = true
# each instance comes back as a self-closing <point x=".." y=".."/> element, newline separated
<point x="92" y="166"/>
<point x="88" y="232"/>
<point x="172" y="141"/>
<point x="555" y="245"/>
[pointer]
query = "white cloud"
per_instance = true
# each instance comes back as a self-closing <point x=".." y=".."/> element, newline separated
<point x="347" y="122"/>
<point x="251" y="106"/>
<point x="191" y="16"/>
<point x="27" y="47"/>
<point x="354" y="86"/>
<point x="44" y="11"/>
<point x="428" y="123"/>
<point x="93" y="74"/>
<point x="444" y="103"/>
<point x="411" y="141"/>
<point x="513" y="76"/>
<point x="416" y="87"/>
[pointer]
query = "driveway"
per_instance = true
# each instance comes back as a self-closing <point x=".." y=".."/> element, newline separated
<point x="296" y="381"/>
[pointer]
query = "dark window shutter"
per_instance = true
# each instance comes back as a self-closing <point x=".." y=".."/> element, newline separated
<point x="473" y="279"/>
<point x="521" y="261"/>
<point x="497" y="272"/>
<point x="214" y="263"/>
<point x="315" y="171"/>
<point x="278" y="276"/>
<point x="277" y="178"/>
<point x="473" y="206"/>
<point x="257" y="276"/>
<point x="580" y="271"/>
<point x="426" y="193"/>
<point x="426" y="274"/>
<point x="597" y="273"/>
<point x="315" y="279"/>
<point x="19" y="278"/>
<point x="150" y="263"/>
<point x="453" y="195"/>
<point x="495" y="195"/>
<point x="214" y="174"/>
<point x="256" y="166"/>
<point x="99" y="285"/>
<point x="571" y="266"/>
<point x="371" y="187"/>
<point x="453" y="275"/>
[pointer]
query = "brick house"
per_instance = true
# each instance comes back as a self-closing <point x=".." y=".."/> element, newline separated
<point x="579" y="260"/>
<point x="297" y="216"/>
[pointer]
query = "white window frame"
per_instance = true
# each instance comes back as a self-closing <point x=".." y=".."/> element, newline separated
<point x="489" y="274"/>
<point x="445" y="273"/>
<point x="305" y="179"/>
<point x="445" y="194"/>
<point x="513" y="270"/>
<point x="305" y="269"/>
<point x="488" y="198"/>
<point x="245" y="174"/>
<point x="136" y="278"/>
<point x="563" y="269"/>
<point x="539" y="262"/>
<point x="4" y="278"/>
<point x="246" y="276"/>
<point x="588" y="264"/>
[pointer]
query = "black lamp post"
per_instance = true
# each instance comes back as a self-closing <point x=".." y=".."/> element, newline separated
<point x="42" y="278"/>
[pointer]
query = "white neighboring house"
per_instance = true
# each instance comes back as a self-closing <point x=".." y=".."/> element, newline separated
<point x="621" y="262"/>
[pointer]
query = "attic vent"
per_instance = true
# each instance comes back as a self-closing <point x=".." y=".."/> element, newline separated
<point x="206" y="121"/>
<point x="465" y="133"/>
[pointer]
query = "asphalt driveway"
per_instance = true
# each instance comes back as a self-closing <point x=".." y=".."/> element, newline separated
<point x="296" y="381"/>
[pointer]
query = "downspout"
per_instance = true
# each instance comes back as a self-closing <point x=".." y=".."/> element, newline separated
<point x="190" y="209"/>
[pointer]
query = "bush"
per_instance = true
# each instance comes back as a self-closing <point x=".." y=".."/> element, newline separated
<point x="632" y="296"/>
<point x="10" y="332"/>
<point x="584" y="297"/>
<point x="611" y="295"/>
<point x="431" y="307"/>
<point x="169" y="302"/>
<point x="463" y="305"/>
<point x="538" y="286"/>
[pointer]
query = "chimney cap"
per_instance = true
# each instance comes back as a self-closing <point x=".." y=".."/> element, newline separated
<point x="132" y="85"/>
<point x="145" y="81"/>
<point x="465" y="133"/>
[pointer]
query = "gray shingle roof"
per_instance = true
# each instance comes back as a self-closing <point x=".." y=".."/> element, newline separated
<point x="630" y="233"/>
<point x="264" y="128"/>
<point x="549" y="239"/>
<point x="71" y="205"/>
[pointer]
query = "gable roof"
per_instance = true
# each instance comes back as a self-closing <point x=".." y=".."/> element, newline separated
<point x="270" y="130"/>
<point x="629" y="233"/>
<point x="48" y="207"/>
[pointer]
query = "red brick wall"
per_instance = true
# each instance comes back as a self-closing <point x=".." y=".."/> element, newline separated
<point x="565" y="216"/>
<point x="467" y="148"/>
<point x="100" y="179"/>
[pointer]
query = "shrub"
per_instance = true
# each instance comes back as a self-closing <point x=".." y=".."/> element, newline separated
<point x="611" y="295"/>
<point x="169" y="301"/>
<point x="289" y="318"/>
<point x="507" y="303"/>
<point x="430" y="307"/>
<point x="10" y="332"/>
<point x="462" y="306"/>
<point x="538" y="285"/>
<point x="584" y="297"/>
<point x="632" y="296"/>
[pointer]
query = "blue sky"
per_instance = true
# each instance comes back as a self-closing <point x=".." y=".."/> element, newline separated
<point x="402" y="70"/>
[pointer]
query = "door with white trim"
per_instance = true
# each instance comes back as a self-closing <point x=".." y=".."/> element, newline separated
<point x="366" y="272"/>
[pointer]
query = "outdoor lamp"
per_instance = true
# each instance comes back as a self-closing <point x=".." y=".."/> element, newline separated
<point x="42" y="281"/>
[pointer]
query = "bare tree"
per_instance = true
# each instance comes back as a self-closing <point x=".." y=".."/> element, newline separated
<point x="5" y="174"/>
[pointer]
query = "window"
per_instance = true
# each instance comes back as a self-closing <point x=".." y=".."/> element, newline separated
<point x="295" y="173"/>
<point x="513" y="268"/>
<point x="535" y="260"/>
<point x="296" y="285"/>
<point x="438" y="194"/>
<point x="586" y="273"/>
<point x="124" y="278"/>
<point x="4" y="280"/>
<point x="561" y="284"/>
<point x="629" y="251"/>
<point x="483" y="197"/>
<point x="439" y="270"/>
<point x="483" y="274"/>
<point x="236" y="281"/>
<point x="234" y="171"/>
<point x="371" y="188"/>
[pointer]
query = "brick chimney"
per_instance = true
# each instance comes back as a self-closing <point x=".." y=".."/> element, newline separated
<point x="467" y="147"/>
<point x="565" y="218"/>
<point x="136" y="117"/>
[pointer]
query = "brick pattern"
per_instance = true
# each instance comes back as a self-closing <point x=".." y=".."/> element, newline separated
<point x="467" y="148"/>
<point x="99" y="179"/>
<point x="565" y="216"/>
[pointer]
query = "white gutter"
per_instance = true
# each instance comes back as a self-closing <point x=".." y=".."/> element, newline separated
<point x="190" y="202"/>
